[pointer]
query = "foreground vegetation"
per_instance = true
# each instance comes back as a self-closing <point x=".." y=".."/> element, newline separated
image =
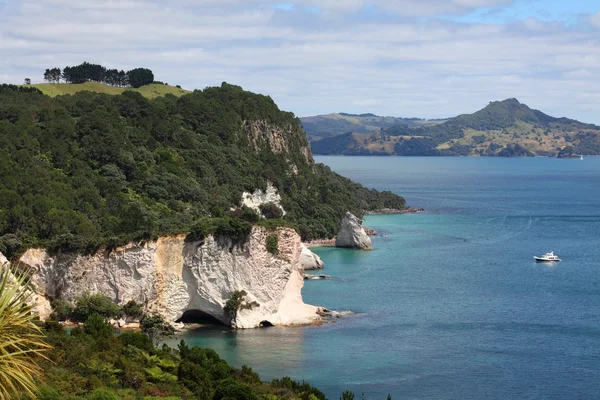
<point x="89" y="170"/>
<point x="91" y="362"/>
<point x="502" y="129"/>
<point x="22" y="343"/>
<point x="94" y="362"/>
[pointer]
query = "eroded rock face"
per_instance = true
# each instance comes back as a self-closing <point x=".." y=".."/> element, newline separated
<point x="172" y="276"/>
<point x="351" y="234"/>
<point x="309" y="260"/>
<point x="259" y="197"/>
<point x="262" y="133"/>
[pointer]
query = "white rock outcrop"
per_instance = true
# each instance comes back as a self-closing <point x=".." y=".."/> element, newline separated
<point x="3" y="259"/>
<point x="259" y="197"/>
<point x="309" y="260"/>
<point x="172" y="276"/>
<point x="351" y="234"/>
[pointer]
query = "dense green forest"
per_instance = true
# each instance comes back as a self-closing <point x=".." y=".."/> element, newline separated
<point x="89" y="170"/>
<point x="502" y="129"/>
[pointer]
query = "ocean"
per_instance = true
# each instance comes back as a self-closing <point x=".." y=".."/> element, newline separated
<point x="451" y="304"/>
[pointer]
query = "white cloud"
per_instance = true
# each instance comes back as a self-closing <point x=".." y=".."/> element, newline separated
<point x="335" y="60"/>
<point x="595" y="20"/>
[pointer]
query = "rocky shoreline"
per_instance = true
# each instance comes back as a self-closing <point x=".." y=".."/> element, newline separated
<point x="384" y="211"/>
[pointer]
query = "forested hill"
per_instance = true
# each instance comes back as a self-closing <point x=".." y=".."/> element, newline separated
<point x="86" y="170"/>
<point x="325" y="126"/>
<point x="503" y="128"/>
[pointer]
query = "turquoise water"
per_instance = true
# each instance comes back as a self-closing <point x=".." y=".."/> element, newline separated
<point x="450" y="304"/>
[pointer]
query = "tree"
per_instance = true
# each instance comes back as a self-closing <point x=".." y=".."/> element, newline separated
<point x="22" y="343"/>
<point x="99" y="304"/>
<point x="273" y="244"/>
<point x="271" y="211"/>
<point x="132" y="310"/>
<point x="48" y="76"/>
<point x="140" y="76"/>
<point x="97" y="327"/>
<point x="230" y="389"/>
<point x="195" y="378"/>
<point x="238" y="302"/>
<point x="27" y="81"/>
<point x="55" y="75"/>
<point x="61" y="309"/>
<point x="156" y="328"/>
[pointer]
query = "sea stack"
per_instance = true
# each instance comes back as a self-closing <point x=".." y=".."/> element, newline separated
<point x="309" y="260"/>
<point x="352" y="235"/>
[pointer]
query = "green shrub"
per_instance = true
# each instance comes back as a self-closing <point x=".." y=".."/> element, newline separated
<point x="132" y="310"/>
<point x="136" y="339"/>
<point x="156" y="328"/>
<point x="271" y="211"/>
<point x="48" y="393"/>
<point x="234" y="229"/>
<point x="99" y="304"/>
<point x="61" y="309"/>
<point x="238" y="302"/>
<point x="10" y="245"/>
<point x="272" y="244"/>
<point x="230" y="389"/>
<point x="200" y="230"/>
<point x="249" y="215"/>
<point x="97" y="327"/>
<point x="103" y="394"/>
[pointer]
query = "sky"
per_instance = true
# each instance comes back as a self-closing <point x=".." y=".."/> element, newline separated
<point x="407" y="58"/>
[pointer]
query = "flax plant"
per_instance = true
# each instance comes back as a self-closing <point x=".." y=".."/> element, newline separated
<point x="22" y="342"/>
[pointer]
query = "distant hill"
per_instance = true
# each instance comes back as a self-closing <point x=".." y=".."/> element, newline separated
<point x="149" y="91"/>
<point x="325" y="126"/>
<point x="504" y="128"/>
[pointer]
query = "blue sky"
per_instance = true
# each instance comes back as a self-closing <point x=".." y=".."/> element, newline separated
<point x="426" y="58"/>
<point x="546" y="10"/>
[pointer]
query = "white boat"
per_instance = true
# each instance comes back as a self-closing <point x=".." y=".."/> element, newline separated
<point x="548" y="257"/>
<point x="581" y="157"/>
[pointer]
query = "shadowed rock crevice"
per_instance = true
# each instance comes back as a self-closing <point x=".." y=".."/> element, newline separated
<point x="198" y="317"/>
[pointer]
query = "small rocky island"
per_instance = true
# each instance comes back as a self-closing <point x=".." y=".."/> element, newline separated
<point x="352" y="235"/>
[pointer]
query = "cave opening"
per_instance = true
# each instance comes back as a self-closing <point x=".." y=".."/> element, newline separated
<point x="265" y="324"/>
<point x="198" y="317"/>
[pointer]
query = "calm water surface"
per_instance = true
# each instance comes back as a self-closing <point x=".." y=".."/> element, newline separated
<point x="451" y="305"/>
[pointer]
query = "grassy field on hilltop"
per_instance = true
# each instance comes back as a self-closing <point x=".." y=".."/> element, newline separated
<point x="149" y="91"/>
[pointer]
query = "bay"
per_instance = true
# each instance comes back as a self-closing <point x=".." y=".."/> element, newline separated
<point x="451" y="304"/>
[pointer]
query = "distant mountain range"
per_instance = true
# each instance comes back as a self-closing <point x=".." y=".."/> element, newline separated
<point x="326" y="126"/>
<point x="504" y="128"/>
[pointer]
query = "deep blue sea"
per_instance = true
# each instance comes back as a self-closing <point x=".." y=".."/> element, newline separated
<point x="450" y="304"/>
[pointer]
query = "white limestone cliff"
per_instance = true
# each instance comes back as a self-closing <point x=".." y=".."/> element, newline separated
<point x="351" y="234"/>
<point x="259" y="197"/>
<point x="171" y="276"/>
<point x="310" y="260"/>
